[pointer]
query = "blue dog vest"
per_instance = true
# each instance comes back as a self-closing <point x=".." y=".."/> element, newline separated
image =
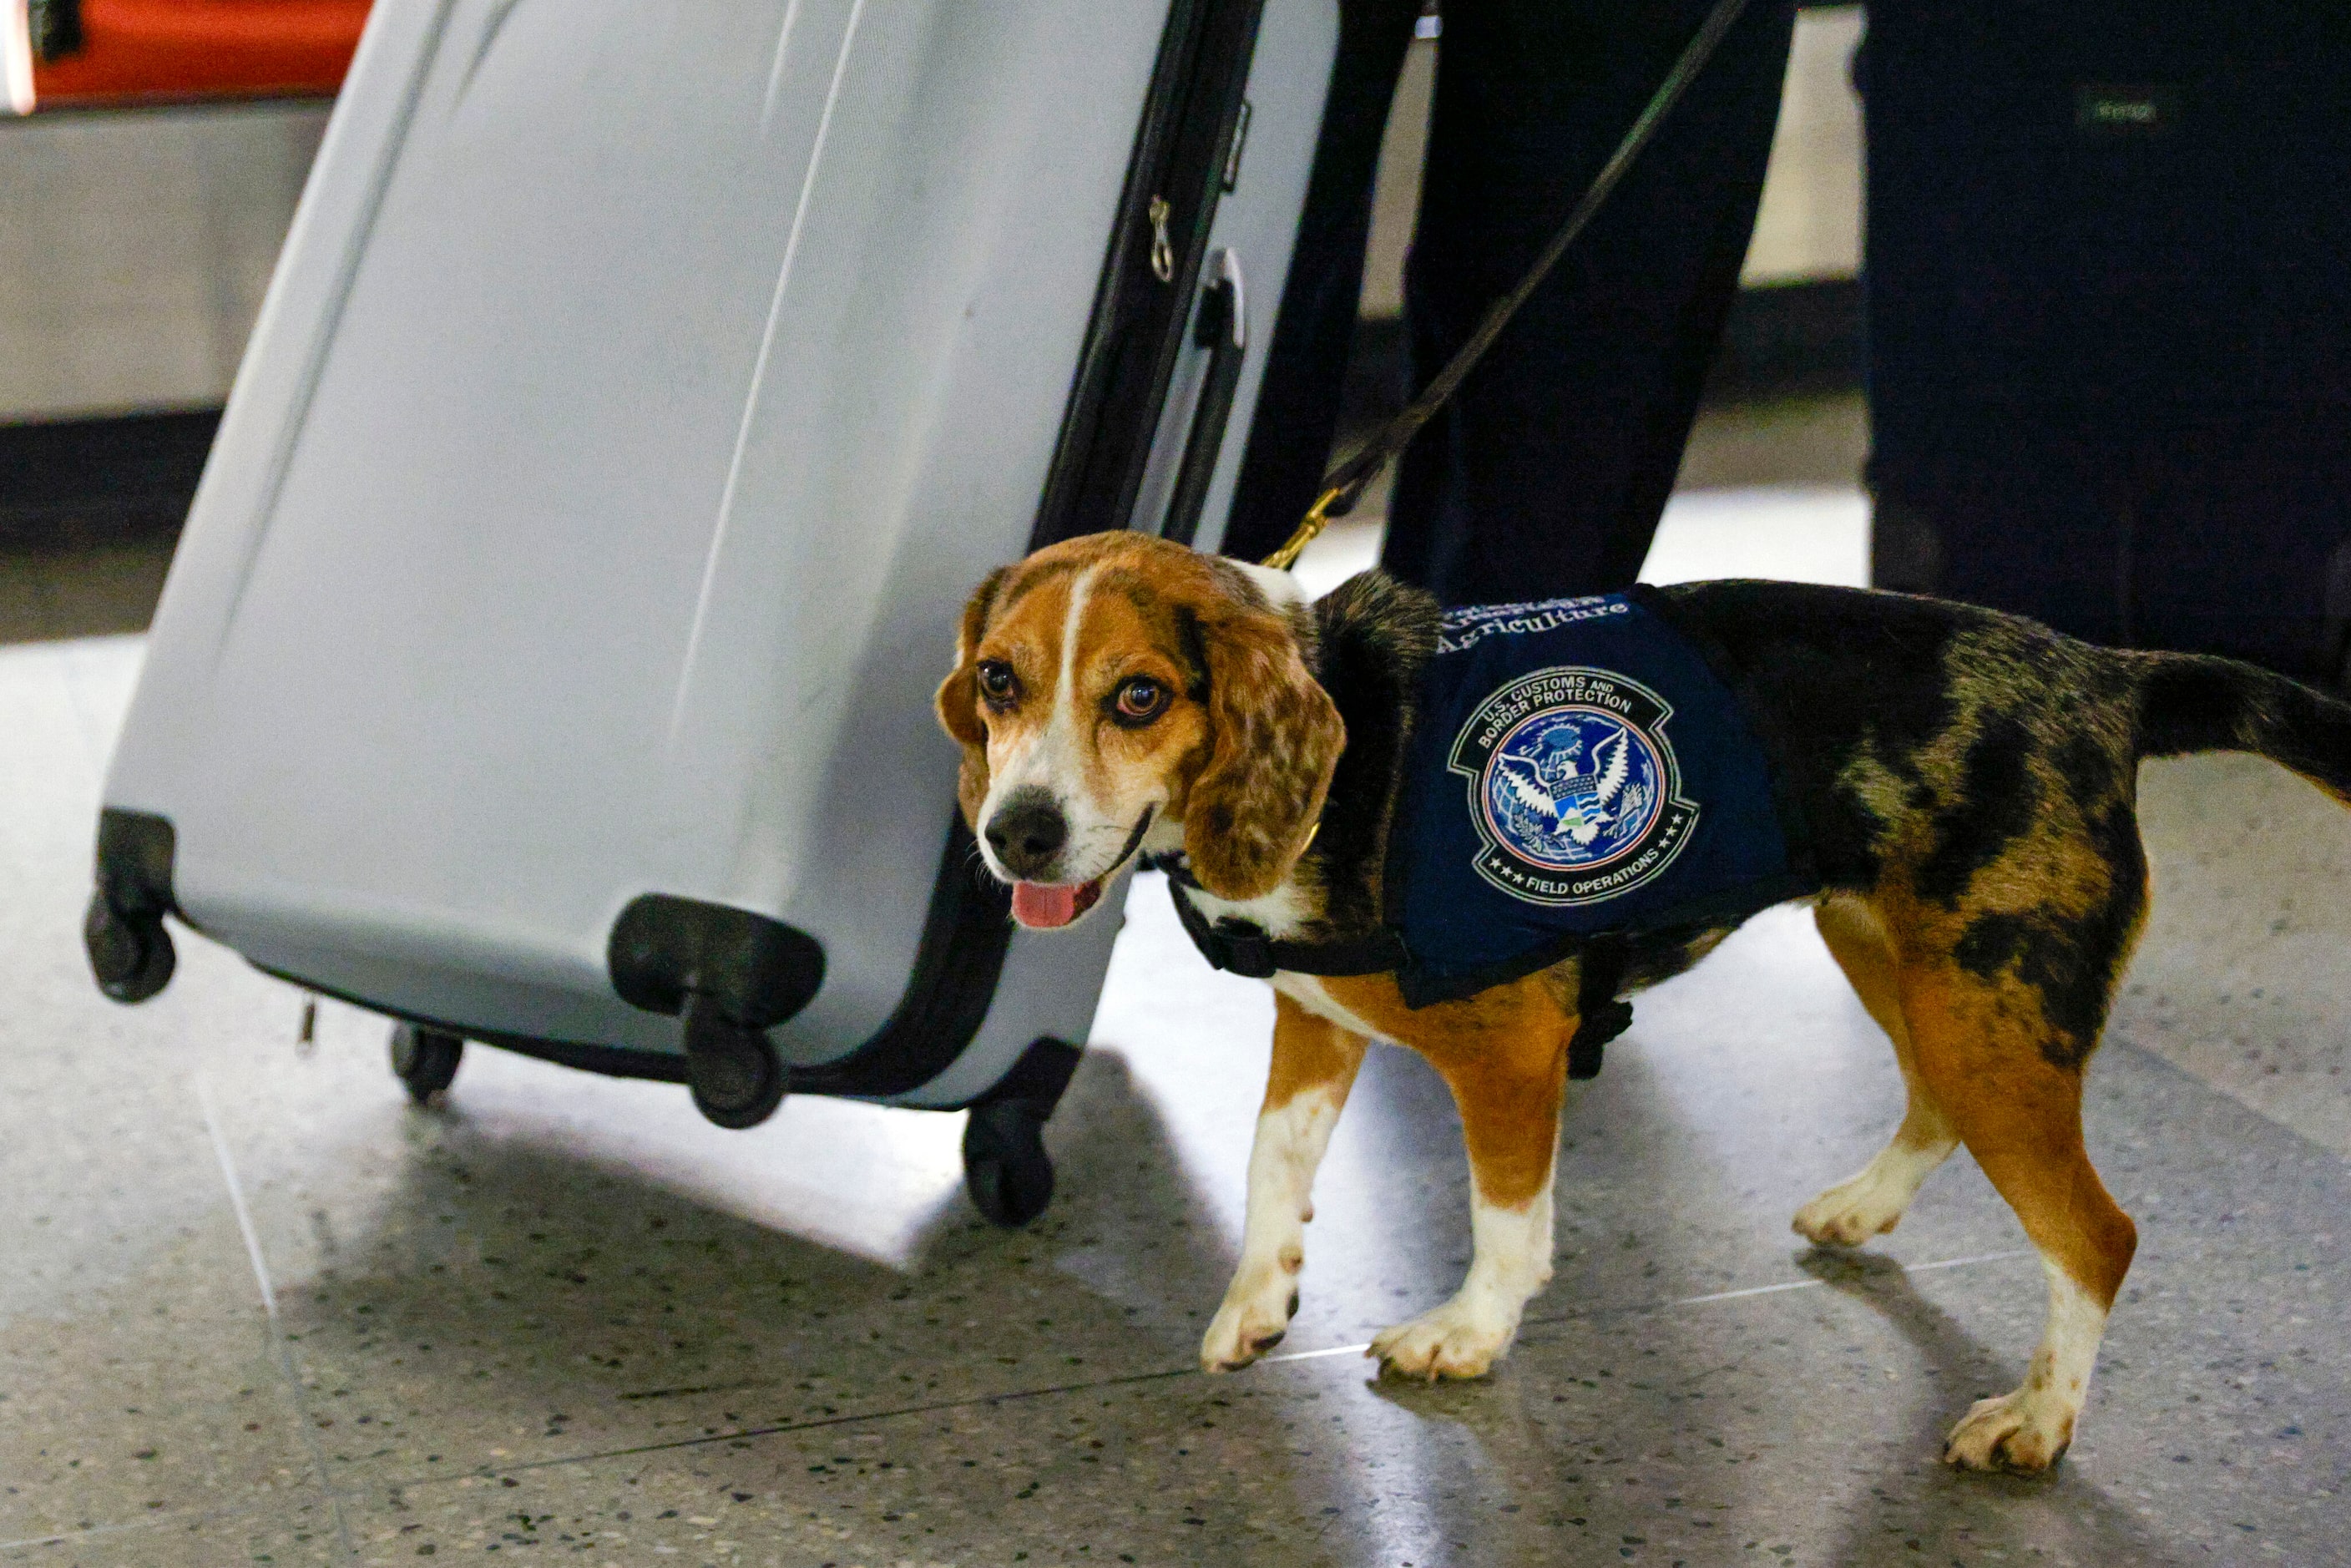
<point x="1578" y="776"/>
<point x="1578" y="772"/>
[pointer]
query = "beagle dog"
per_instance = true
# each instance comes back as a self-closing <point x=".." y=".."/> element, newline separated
<point x="1967" y="780"/>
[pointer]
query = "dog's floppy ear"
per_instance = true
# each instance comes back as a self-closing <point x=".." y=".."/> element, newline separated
<point x="959" y="698"/>
<point x="1274" y="740"/>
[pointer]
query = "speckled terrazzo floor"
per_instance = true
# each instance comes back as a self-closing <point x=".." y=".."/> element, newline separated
<point x="254" y="1308"/>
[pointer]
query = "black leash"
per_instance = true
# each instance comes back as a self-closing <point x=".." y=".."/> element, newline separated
<point x="1245" y="949"/>
<point x="1344" y="484"/>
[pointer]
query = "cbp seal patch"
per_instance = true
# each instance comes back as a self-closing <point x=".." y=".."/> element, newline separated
<point x="1574" y="788"/>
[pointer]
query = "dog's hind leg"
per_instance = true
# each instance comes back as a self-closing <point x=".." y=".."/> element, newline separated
<point x="2010" y="1082"/>
<point x="1507" y="1066"/>
<point x="1872" y="1202"/>
<point x="1314" y="1065"/>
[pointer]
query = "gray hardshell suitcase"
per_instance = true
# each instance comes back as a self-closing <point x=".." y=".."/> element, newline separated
<point x="548" y="659"/>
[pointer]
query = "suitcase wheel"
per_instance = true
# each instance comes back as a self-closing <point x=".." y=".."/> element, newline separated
<point x="130" y="955"/>
<point x="1004" y="1166"/>
<point x="737" y="1080"/>
<point x="424" y="1059"/>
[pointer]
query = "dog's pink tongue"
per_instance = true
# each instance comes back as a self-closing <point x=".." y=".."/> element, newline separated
<point x="1044" y="904"/>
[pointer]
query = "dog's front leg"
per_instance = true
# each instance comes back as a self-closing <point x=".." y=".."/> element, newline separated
<point x="1509" y="1090"/>
<point x="1314" y="1063"/>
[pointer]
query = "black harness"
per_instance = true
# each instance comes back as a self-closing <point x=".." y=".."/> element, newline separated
<point x="1241" y="947"/>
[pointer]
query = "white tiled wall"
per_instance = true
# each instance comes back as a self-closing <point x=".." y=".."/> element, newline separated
<point x="1810" y="225"/>
<point x="134" y="247"/>
<point x="1396" y="201"/>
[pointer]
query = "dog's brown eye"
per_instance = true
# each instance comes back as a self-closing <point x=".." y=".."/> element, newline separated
<point x="1140" y="700"/>
<point x="996" y="682"/>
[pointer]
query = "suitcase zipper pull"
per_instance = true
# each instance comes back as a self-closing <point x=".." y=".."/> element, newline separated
<point x="306" y="1037"/>
<point x="1163" y="249"/>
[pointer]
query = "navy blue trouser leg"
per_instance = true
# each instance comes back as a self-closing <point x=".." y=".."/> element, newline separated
<point x="1547" y="475"/>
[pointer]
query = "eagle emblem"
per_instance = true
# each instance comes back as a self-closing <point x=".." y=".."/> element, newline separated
<point x="1573" y="786"/>
<point x="1576" y="803"/>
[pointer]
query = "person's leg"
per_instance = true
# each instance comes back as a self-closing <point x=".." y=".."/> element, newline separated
<point x="1298" y="406"/>
<point x="1547" y="475"/>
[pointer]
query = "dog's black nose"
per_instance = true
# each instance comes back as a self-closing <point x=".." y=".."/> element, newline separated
<point x="1027" y="833"/>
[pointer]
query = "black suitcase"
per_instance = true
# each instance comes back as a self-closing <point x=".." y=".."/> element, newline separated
<point x="2108" y="296"/>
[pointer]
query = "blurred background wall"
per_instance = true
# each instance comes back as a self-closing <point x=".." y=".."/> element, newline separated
<point x="137" y="236"/>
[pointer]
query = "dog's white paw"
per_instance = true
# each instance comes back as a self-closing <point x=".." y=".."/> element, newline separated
<point x="1251" y="1322"/>
<point x="1456" y="1340"/>
<point x="2023" y="1432"/>
<point x="1853" y="1211"/>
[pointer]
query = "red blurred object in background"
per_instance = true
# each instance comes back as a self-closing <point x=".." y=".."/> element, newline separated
<point x="145" y="49"/>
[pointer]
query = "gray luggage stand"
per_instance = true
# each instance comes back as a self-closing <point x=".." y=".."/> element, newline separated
<point x="546" y="661"/>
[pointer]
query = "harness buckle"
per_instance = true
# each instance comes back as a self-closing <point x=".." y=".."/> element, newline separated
<point x="1247" y="951"/>
<point x="1592" y="1033"/>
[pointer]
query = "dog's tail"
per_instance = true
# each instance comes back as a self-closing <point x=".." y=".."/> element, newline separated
<point x="2195" y="701"/>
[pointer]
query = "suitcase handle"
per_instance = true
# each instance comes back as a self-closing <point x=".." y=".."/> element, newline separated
<point x="1222" y="329"/>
